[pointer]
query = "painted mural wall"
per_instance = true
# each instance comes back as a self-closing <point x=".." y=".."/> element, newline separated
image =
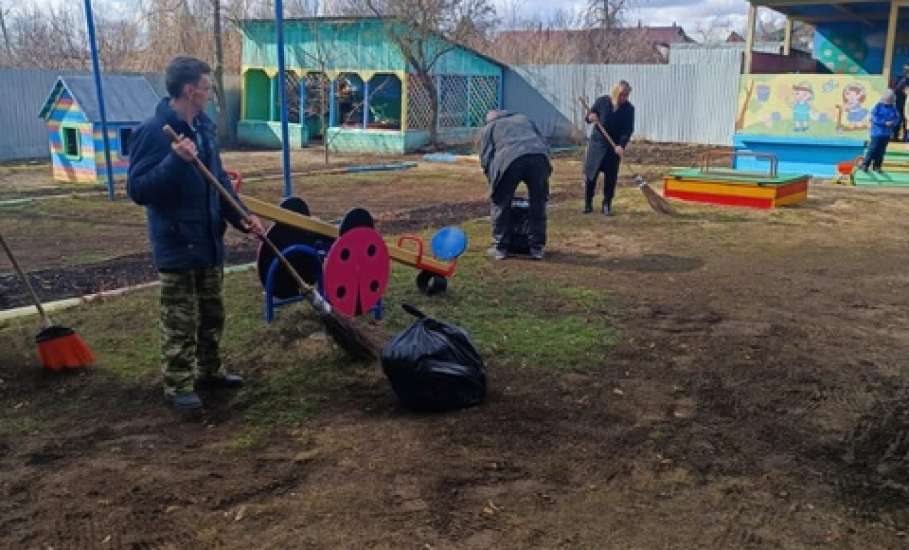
<point x="800" y="105"/>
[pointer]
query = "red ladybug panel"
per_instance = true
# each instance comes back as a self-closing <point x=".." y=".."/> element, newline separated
<point x="356" y="271"/>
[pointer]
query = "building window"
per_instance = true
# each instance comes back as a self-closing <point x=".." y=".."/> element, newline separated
<point x="349" y="100"/>
<point x="385" y="102"/>
<point x="125" y="134"/>
<point x="71" y="143"/>
<point x="316" y="107"/>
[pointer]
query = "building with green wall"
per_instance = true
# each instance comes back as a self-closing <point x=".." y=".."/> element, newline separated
<point x="350" y="73"/>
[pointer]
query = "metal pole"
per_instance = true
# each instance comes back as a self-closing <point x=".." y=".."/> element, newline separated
<point x="285" y="145"/>
<point x="96" y="70"/>
<point x="365" y="104"/>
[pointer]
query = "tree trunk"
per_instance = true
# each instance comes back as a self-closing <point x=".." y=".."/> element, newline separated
<point x="430" y="85"/>
<point x="9" y="49"/>
<point x="224" y="133"/>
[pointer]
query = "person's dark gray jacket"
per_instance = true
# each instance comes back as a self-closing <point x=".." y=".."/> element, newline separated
<point x="506" y="139"/>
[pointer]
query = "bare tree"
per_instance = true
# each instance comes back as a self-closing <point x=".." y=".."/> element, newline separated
<point x="4" y="14"/>
<point x="606" y="14"/>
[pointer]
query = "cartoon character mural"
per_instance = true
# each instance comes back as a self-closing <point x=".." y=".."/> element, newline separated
<point x="853" y="107"/>
<point x="811" y="106"/>
<point x="802" y="95"/>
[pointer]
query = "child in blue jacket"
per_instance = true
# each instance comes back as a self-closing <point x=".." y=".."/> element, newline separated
<point x="884" y="119"/>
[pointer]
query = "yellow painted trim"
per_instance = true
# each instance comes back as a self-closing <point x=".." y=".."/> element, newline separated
<point x="404" y="102"/>
<point x="303" y="70"/>
<point x="791" y="199"/>
<point x="315" y="225"/>
<point x="891" y="39"/>
<point x="720" y="189"/>
<point x="242" y="95"/>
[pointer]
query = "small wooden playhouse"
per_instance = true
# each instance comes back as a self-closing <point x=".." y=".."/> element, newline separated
<point x="73" y="119"/>
<point x="374" y="100"/>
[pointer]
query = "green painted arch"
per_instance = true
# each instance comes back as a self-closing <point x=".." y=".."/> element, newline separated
<point x="256" y="94"/>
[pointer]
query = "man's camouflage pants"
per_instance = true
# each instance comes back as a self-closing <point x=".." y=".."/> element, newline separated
<point x="192" y="320"/>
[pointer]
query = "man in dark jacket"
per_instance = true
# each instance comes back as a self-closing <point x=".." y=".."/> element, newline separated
<point x="616" y="114"/>
<point x="900" y="90"/>
<point x="512" y="150"/>
<point x="186" y="224"/>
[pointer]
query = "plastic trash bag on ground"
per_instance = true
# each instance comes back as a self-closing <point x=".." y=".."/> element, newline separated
<point x="433" y="366"/>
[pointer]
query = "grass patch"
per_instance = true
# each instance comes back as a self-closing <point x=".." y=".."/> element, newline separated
<point x="515" y="313"/>
<point x="518" y="313"/>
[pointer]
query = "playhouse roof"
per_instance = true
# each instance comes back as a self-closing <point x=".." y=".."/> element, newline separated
<point x="356" y="18"/>
<point x="871" y="12"/>
<point x="127" y="98"/>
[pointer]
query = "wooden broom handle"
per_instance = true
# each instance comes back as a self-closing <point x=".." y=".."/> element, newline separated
<point x="26" y="282"/>
<point x="304" y="287"/>
<point x="599" y="124"/>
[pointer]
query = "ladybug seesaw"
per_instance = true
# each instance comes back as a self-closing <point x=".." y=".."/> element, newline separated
<point x="350" y="262"/>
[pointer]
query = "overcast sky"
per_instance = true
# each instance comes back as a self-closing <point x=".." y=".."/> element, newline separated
<point x="687" y="13"/>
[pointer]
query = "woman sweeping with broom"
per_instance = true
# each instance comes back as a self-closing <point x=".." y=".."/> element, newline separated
<point x="616" y="114"/>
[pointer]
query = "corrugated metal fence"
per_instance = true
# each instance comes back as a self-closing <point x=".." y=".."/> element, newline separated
<point x="24" y="91"/>
<point x="673" y="103"/>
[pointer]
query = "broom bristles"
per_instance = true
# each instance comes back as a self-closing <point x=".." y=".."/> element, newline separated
<point x="657" y="203"/>
<point x="359" y="339"/>
<point x="61" y="348"/>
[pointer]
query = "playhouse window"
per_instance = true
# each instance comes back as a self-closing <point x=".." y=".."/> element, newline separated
<point x="292" y="94"/>
<point x="125" y="134"/>
<point x="316" y="102"/>
<point x="349" y="100"/>
<point x="71" y="146"/>
<point x="384" y="102"/>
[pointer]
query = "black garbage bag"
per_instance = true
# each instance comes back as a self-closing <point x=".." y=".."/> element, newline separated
<point x="433" y="366"/>
<point x="519" y="215"/>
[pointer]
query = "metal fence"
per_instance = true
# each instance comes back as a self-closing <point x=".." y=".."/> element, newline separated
<point x="673" y="103"/>
<point x="24" y="92"/>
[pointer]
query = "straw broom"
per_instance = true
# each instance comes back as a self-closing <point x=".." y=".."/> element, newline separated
<point x="59" y="347"/>
<point x="656" y="202"/>
<point x="362" y="342"/>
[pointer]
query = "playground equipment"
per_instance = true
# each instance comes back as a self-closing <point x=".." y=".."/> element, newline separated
<point x="845" y="171"/>
<point x="300" y="228"/>
<point x="730" y="187"/>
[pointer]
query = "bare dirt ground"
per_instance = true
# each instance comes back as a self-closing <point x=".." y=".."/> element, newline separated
<point x="756" y="398"/>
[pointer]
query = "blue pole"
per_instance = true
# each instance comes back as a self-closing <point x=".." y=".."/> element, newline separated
<point x="96" y="70"/>
<point x="285" y="145"/>
<point x="332" y="108"/>
<point x="366" y="104"/>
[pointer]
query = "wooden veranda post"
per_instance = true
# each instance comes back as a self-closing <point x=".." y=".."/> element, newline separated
<point x="749" y="38"/>
<point x="891" y="37"/>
